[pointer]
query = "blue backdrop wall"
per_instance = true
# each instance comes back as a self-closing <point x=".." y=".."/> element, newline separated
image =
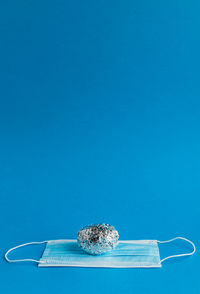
<point x="99" y="122"/>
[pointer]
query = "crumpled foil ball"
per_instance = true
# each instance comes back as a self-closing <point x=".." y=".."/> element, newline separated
<point x="97" y="239"/>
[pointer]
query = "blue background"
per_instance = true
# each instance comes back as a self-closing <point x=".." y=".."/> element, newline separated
<point x="99" y="122"/>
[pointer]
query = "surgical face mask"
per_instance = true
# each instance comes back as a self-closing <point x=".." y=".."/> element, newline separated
<point x="127" y="254"/>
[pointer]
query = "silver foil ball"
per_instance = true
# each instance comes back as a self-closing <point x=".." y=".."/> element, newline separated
<point x="97" y="239"/>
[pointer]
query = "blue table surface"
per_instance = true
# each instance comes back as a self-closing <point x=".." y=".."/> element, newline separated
<point x="99" y="122"/>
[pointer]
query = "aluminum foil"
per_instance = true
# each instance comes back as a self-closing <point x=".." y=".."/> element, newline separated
<point x="97" y="239"/>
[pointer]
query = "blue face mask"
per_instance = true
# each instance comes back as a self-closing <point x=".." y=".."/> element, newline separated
<point x="127" y="254"/>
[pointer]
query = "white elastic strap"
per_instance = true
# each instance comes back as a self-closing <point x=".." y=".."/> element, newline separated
<point x="178" y="255"/>
<point x="22" y="245"/>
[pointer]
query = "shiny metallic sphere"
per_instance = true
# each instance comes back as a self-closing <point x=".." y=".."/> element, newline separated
<point x="97" y="239"/>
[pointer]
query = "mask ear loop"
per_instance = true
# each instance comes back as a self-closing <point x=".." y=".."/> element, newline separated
<point x="22" y="245"/>
<point x="178" y="255"/>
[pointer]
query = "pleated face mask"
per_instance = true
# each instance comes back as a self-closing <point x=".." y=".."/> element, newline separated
<point x="127" y="254"/>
